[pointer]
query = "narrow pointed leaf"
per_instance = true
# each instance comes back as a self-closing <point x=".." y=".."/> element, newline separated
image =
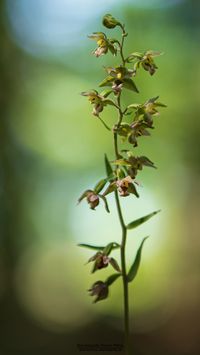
<point x="108" y="248"/>
<point x="100" y="185"/>
<point x="159" y="104"/>
<point x="135" y="266"/>
<point x="97" y="247"/>
<point x="105" y="202"/>
<point x="105" y="93"/>
<point x="93" y="247"/>
<point x="112" y="279"/>
<point x="112" y="49"/>
<point x="84" y="194"/>
<point x="109" y="170"/>
<point x="141" y="220"/>
<point x="114" y="264"/>
<point x="134" y="106"/>
<point x="108" y="102"/>
<point x="107" y="81"/>
<point x="112" y="187"/>
<point x="122" y="162"/>
<point x="132" y="190"/>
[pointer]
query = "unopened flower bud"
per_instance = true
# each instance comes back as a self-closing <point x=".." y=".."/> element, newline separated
<point x="99" y="289"/>
<point x="109" y="21"/>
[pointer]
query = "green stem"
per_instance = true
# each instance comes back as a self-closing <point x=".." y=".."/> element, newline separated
<point x="120" y="215"/>
<point x="123" y="242"/>
<point x="124" y="275"/>
<point x="124" y="34"/>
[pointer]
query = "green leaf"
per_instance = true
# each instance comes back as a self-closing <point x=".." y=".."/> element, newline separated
<point x="154" y="53"/>
<point x="120" y="174"/>
<point x="112" y="49"/>
<point x="134" y="106"/>
<point x="112" y="187"/>
<point x="135" y="266"/>
<point x="108" y="248"/>
<point x="107" y="81"/>
<point x="138" y="55"/>
<point x="112" y="279"/>
<point x="108" y="102"/>
<point x="84" y="194"/>
<point x="113" y="40"/>
<point x="100" y="185"/>
<point x="130" y="85"/>
<point x="141" y="220"/>
<point x="97" y="247"/>
<point x="105" y="125"/>
<point x="159" y="104"/>
<point x="132" y="190"/>
<point x="114" y="264"/>
<point x="105" y="93"/>
<point x="121" y="162"/>
<point x="105" y="202"/>
<point x="94" y="247"/>
<point x="109" y="170"/>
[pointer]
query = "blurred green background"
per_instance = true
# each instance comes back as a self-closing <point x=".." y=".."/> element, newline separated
<point x="52" y="149"/>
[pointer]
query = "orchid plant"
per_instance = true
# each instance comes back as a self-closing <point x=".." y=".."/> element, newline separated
<point x="132" y="122"/>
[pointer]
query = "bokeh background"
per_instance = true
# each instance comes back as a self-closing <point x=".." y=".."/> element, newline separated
<point x="52" y="149"/>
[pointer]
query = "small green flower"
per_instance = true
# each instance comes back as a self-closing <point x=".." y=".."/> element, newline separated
<point x="145" y="59"/>
<point x="104" y="44"/>
<point x="98" y="100"/>
<point x="137" y="163"/>
<point x="138" y="129"/>
<point x="144" y="112"/>
<point x="119" y="77"/>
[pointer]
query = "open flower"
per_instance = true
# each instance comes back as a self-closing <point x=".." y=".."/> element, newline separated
<point x="145" y="60"/>
<point x="104" y="44"/>
<point x="124" y="186"/>
<point x="102" y="260"/>
<point x="119" y="77"/>
<point x="148" y="109"/>
<point x="138" y="129"/>
<point x="93" y="199"/>
<point x="99" y="289"/>
<point x="95" y="99"/>
<point x="99" y="101"/>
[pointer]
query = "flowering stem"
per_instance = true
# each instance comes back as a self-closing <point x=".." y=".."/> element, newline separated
<point x="124" y="34"/>
<point x="124" y="276"/>
<point x="123" y="242"/>
<point x="121" y="219"/>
